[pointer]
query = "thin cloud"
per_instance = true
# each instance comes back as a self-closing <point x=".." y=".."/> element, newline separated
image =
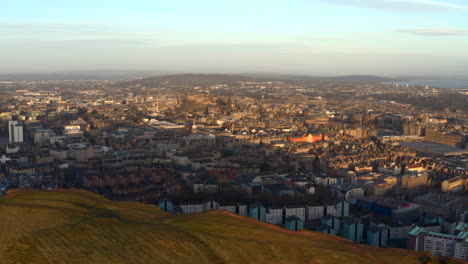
<point x="88" y="35"/>
<point x="52" y="27"/>
<point x="436" y="31"/>
<point x="399" y="5"/>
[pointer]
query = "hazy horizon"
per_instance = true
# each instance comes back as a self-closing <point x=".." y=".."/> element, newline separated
<point x="304" y="37"/>
<point x="136" y="73"/>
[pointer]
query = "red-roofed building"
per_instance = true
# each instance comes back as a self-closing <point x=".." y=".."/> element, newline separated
<point x="308" y="138"/>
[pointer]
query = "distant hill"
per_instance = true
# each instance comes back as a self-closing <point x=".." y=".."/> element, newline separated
<point x="361" y="78"/>
<point x="81" y="227"/>
<point x="347" y="78"/>
<point x="80" y="75"/>
<point x="47" y="77"/>
<point x="188" y="79"/>
<point x="205" y="80"/>
<point x="155" y="78"/>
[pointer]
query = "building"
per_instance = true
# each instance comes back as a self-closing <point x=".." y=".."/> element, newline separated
<point x="380" y="188"/>
<point x="440" y="244"/>
<point x="166" y="205"/>
<point x="329" y="208"/>
<point x="211" y="187"/>
<point x="211" y="205"/>
<point x="315" y="212"/>
<point x="43" y="136"/>
<point x="308" y="138"/>
<point x="198" y="186"/>
<point x="408" y="212"/>
<point x="15" y="132"/>
<point x="274" y="215"/>
<point x="440" y="137"/>
<point x="362" y="169"/>
<point x="294" y="223"/>
<point x="413" y="181"/>
<point x="332" y="222"/>
<point x="434" y="149"/>
<point x="257" y="211"/>
<point x="228" y="207"/>
<point x="453" y="185"/>
<point x="295" y="210"/>
<point x="252" y="188"/>
<point x="73" y="131"/>
<point x="433" y="219"/>
<point x="80" y="152"/>
<point x="325" y="180"/>
<point x="242" y="209"/>
<point x="353" y="230"/>
<point x="279" y="190"/>
<point x="192" y="207"/>
<point x="441" y="204"/>
<point x="342" y="209"/>
<point x="399" y="231"/>
<point x="310" y="189"/>
<point x="377" y="236"/>
<point x="324" y="229"/>
<point x="462" y="215"/>
<point x="346" y="191"/>
<point x="413" y="129"/>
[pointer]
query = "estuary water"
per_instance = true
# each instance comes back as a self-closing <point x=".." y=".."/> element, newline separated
<point x="455" y="84"/>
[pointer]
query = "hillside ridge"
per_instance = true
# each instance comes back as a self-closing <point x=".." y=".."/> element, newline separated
<point x="81" y="227"/>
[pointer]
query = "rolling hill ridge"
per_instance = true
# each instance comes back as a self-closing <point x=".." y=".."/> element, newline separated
<point x="81" y="227"/>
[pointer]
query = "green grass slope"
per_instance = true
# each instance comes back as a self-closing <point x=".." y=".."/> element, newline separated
<point x="81" y="227"/>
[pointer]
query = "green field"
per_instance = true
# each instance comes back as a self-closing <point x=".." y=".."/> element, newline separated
<point x="81" y="227"/>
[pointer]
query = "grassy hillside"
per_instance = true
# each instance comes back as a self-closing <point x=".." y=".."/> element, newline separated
<point x="80" y="227"/>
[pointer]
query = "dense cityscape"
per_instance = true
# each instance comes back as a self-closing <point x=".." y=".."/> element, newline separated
<point x="375" y="161"/>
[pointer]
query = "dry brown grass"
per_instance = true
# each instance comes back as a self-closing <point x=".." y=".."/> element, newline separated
<point x="81" y="227"/>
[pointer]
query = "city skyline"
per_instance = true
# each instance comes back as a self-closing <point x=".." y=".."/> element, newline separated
<point x="339" y="37"/>
<point x="234" y="131"/>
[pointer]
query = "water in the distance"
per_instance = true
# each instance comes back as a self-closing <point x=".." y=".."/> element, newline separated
<point x="462" y="84"/>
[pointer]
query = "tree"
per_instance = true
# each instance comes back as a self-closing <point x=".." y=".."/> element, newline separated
<point x="81" y="111"/>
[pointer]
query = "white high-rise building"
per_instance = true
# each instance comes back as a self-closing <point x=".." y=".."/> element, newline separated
<point x="15" y="131"/>
<point x="440" y="244"/>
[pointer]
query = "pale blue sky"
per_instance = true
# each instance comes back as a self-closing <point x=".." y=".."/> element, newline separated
<point x="313" y="37"/>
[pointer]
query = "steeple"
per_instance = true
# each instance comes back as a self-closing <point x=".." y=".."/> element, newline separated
<point x="229" y="105"/>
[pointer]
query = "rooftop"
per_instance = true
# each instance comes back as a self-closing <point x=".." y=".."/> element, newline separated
<point x="435" y="148"/>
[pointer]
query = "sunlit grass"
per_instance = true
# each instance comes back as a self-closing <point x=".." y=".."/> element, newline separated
<point x="80" y="227"/>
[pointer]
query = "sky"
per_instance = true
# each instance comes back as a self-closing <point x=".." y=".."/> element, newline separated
<point x="313" y="37"/>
